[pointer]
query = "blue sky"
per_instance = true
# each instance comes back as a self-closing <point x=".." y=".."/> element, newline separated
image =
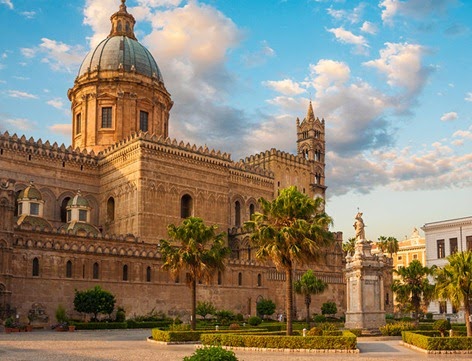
<point x="393" y="80"/>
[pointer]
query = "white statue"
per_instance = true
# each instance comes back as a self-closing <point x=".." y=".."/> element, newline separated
<point x="359" y="227"/>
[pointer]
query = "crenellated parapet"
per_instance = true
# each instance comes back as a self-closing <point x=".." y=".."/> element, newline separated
<point x="275" y="155"/>
<point x="46" y="150"/>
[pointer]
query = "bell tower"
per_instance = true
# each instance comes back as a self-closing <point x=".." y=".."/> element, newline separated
<point x="311" y="145"/>
<point x="119" y="90"/>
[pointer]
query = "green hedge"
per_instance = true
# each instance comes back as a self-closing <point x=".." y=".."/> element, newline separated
<point x="148" y="324"/>
<point x="427" y="341"/>
<point x="192" y="336"/>
<point x="395" y="329"/>
<point x="99" y="325"/>
<point x="347" y="341"/>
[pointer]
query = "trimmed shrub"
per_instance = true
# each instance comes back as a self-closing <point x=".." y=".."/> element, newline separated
<point x="356" y="331"/>
<point x="329" y="308"/>
<point x="211" y="354"/>
<point x="234" y="326"/>
<point x="319" y="318"/>
<point x="254" y="321"/>
<point x="428" y="340"/>
<point x="100" y="325"/>
<point x="395" y="329"/>
<point x="120" y="315"/>
<point x="429" y="316"/>
<point x="314" y="331"/>
<point x="346" y="341"/>
<point x="328" y="326"/>
<point x="148" y="324"/>
<point x="442" y="326"/>
<point x="225" y="317"/>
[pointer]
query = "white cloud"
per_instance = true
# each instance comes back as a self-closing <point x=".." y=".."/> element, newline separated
<point x="28" y="52"/>
<point x="29" y="14"/>
<point x="347" y="37"/>
<point x="17" y="124"/>
<point x="417" y="9"/>
<point x="63" y="129"/>
<point x="97" y="16"/>
<point x="369" y="28"/>
<point x="402" y="65"/>
<point x="447" y="117"/>
<point x="61" y="56"/>
<point x="463" y="134"/>
<point x="260" y="56"/>
<point x="468" y="97"/>
<point x="56" y="103"/>
<point x="353" y="16"/>
<point x="21" y="94"/>
<point x="286" y="86"/>
<point x="329" y="74"/>
<point x="7" y="3"/>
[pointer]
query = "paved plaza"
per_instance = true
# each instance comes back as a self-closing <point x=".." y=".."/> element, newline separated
<point x="133" y="345"/>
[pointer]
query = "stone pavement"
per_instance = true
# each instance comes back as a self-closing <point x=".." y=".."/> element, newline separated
<point x="133" y="345"/>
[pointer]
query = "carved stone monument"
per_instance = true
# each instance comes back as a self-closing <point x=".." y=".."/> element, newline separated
<point x="365" y="284"/>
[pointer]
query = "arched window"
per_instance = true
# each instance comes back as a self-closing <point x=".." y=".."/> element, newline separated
<point x="219" y="278"/>
<point x="69" y="269"/>
<point x="387" y="298"/>
<point x="252" y="210"/>
<point x="111" y="209"/>
<point x="248" y="253"/>
<point x="119" y="27"/>
<point x="237" y="214"/>
<point x="35" y="267"/>
<point x="148" y="274"/>
<point x="186" y="206"/>
<point x="259" y="280"/>
<point x="96" y="271"/>
<point x="240" y="279"/>
<point x="125" y="272"/>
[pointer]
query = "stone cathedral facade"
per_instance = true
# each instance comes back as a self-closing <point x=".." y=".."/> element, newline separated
<point x="93" y="213"/>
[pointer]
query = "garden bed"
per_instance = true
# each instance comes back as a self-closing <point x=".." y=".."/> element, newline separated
<point x="432" y="342"/>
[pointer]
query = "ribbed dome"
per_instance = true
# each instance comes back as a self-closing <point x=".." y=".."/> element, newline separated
<point x="121" y="52"/>
<point x="78" y="201"/>
<point x="30" y="192"/>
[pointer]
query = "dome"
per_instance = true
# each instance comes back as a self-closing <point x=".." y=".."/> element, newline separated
<point x="121" y="52"/>
<point x="30" y="192"/>
<point x="78" y="201"/>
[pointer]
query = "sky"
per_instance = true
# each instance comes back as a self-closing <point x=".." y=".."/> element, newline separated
<point x="391" y="78"/>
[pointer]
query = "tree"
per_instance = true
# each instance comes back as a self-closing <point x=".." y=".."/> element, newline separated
<point x="309" y="285"/>
<point x="349" y="247"/>
<point x="265" y="307"/>
<point x="388" y="245"/>
<point x="205" y="308"/>
<point x="329" y="308"/>
<point x="454" y="283"/>
<point x="413" y="288"/>
<point x="196" y="248"/>
<point x="292" y="228"/>
<point x="94" y="301"/>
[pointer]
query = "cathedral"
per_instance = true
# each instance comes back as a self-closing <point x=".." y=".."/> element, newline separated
<point x="93" y="213"/>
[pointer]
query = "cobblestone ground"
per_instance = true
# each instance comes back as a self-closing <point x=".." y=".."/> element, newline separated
<point x="132" y="345"/>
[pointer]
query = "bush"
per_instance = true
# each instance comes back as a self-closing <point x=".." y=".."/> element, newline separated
<point x="120" y="315"/>
<point x="179" y="327"/>
<point x="442" y="326"/>
<point x="329" y="308"/>
<point x="147" y="324"/>
<point x="356" y="331"/>
<point x="240" y="317"/>
<point x="319" y="318"/>
<point x="94" y="301"/>
<point x="265" y="307"/>
<point x="214" y="353"/>
<point x="61" y="315"/>
<point x="328" y="326"/>
<point x="395" y="329"/>
<point x="100" y="325"/>
<point x="427" y="341"/>
<point x="205" y="308"/>
<point x="314" y="331"/>
<point x="429" y="316"/>
<point x="224" y="317"/>
<point x="254" y="321"/>
<point x="234" y="326"/>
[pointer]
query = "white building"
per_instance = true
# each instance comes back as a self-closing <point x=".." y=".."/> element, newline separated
<point x="444" y="238"/>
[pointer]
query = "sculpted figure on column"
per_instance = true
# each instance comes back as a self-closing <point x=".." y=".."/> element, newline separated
<point x="359" y="227"/>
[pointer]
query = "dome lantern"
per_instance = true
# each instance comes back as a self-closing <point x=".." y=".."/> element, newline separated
<point x="122" y="23"/>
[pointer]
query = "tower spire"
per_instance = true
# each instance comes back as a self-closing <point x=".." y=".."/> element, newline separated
<point x="122" y="23"/>
<point x="310" y="114"/>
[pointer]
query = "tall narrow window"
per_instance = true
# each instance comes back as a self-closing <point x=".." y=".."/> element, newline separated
<point x="106" y="117"/>
<point x="35" y="267"/>
<point x="186" y="206"/>
<point x="219" y="278"/>
<point x="64" y="209"/>
<point x="259" y="280"/>
<point x="96" y="271"/>
<point x="387" y="299"/>
<point x="82" y="215"/>
<point x="442" y="307"/>
<point x="468" y="240"/>
<point x="143" y="120"/>
<point x="237" y="214"/>
<point x="69" y="269"/>
<point x="453" y="245"/>
<point x="441" y="250"/>
<point x="148" y="274"/>
<point x="78" y="123"/>
<point x="125" y="272"/>
<point x="111" y="209"/>
<point x="240" y="279"/>
<point x="252" y="209"/>
<point x="34" y="209"/>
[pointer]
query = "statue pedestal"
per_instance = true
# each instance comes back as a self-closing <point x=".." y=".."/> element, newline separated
<point x="365" y="289"/>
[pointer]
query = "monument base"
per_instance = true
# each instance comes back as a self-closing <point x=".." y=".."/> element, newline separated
<point x="369" y="321"/>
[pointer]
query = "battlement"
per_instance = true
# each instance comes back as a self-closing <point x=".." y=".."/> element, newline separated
<point x="274" y="154"/>
<point x="54" y="151"/>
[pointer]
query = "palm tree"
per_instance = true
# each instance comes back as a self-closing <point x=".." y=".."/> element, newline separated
<point x="309" y="285"/>
<point x="388" y="244"/>
<point x="413" y="288"/>
<point x="349" y="247"/>
<point x="454" y="283"/>
<point x="292" y="228"/>
<point x="197" y="249"/>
